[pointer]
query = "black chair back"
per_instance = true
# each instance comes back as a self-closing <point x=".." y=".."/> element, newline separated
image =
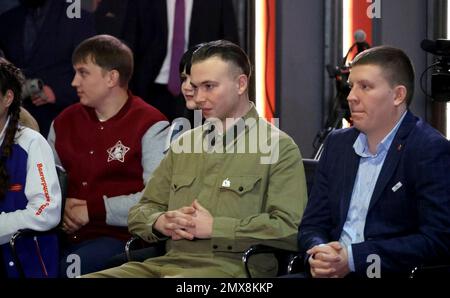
<point x="62" y="179"/>
<point x="310" y="166"/>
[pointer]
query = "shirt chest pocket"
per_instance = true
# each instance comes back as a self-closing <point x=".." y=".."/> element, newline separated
<point x="181" y="191"/>
<point x="239" y="196"/>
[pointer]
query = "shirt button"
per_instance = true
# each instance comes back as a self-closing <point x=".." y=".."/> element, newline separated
<point x="229" y="247"/>
<point x="215" y="246"/>
<point x="91" y="152"/>
<point x="11" y="263"/>
<point x="241" y="188"/>
<point x="101" y="128"/>
<point x="84" y="183"/>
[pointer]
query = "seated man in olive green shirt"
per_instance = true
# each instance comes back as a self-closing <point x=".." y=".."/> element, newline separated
<point x="234" y="182"/>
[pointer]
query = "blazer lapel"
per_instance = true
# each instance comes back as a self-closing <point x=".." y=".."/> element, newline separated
<point x="349" y="169"/>
<point x="393" y="157"/>
<point x="42" y="38"/>
<point x="162" y="14"/>
<point x="197" y="16"/>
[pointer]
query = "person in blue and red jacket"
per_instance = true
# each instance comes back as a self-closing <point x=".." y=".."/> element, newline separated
<point x="109" y="144"/>
<point x="30" y="196"/>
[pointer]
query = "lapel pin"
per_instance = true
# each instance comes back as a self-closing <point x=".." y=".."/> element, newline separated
<point x="399" y="147"/>
<point x="397" y="186"/>
<point x="226" y="183"/>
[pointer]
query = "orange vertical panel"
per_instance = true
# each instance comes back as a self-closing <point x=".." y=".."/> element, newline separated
<point x="270" y="59"/>
<point x="360" y="20"/>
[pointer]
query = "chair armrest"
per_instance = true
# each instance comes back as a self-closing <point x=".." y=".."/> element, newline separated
<point x="28" y="232"/>
<point x="144" y="249"/>
<point x="18" y="235"/>
<point x="131" y="243"/>
<point x="430" y="271"/>
<point x="283" y="257"/>
<point x="296" y="264"/>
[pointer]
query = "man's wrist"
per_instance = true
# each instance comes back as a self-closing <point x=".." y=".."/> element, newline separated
<point x="156" y="229"/>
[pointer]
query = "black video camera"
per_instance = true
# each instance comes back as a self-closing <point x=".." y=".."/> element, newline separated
<point x="340" y="75"/>
<point x="440" y="78"/>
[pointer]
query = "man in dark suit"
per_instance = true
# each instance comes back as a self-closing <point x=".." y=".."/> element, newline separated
<point x="110" y="17"/>
<point x="148" y="31"/>
<point x="380" y="204"/>
<point x="39" y="37"/>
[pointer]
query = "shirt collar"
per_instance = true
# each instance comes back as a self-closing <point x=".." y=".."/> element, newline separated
<point x="209" y="127"/>
<point x="235" y="130"/>
<point x="361" y="145"/>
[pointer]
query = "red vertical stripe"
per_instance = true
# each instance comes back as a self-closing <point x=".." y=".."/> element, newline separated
<point x="360" y="20"/>
<point x="270" y="59"/>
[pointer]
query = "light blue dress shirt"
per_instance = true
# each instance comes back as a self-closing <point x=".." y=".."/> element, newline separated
<point x="369" y="168"/>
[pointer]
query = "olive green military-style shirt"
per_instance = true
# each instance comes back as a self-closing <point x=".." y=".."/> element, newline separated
<point x="251" y="179"/>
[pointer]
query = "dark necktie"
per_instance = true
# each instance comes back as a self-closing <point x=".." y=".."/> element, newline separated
<point x="177" y="48"/>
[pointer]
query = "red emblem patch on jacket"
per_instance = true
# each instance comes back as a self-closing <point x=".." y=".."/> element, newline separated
<point x="16" y="187"/>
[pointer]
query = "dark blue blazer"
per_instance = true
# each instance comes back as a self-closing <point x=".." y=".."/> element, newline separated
<point x="51" y="60"/>
<point x="405" y="228"/>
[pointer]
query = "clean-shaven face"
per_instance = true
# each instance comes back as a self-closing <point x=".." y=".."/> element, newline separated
<point x="216" y="87"/>
<point x="90" y="81"/>
<point x="371" y="100"/>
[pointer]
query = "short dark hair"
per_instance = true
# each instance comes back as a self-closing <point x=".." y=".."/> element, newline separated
<point x="225" y="50"/>
<point x="107" y="52"/>
<point x="186" y="59"/>
<point x="395" y="63"/>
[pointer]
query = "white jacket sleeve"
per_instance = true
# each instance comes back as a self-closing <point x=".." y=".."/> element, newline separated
<point x="153" y="145"/>
<point x="43" y="210"/>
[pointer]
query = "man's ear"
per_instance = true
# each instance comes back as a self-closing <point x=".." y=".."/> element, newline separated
<point x="242" y="81"/>
<point x="8" y="98"/>
<point x="113" y="78"/>
<point x="400" y="95"/>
